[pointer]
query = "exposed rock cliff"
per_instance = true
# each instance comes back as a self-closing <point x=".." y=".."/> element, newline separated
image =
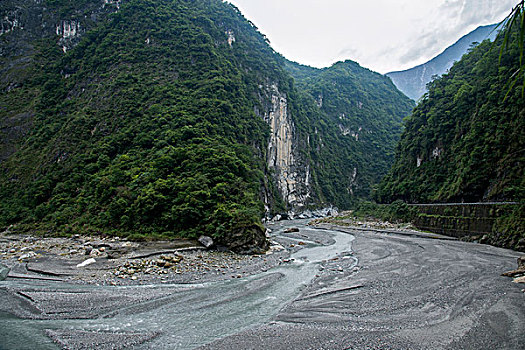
<point x="287" y="168"/>
<point x="282" y="158"/>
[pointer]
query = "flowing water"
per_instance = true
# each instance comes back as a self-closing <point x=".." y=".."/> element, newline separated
<point x="195" y="314"/>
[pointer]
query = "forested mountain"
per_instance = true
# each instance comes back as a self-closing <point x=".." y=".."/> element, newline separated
<point x="413" y="82"/>
<point x="465" y="141"/>
<point x="174" y="118"/>
<point x="360" y="124"/>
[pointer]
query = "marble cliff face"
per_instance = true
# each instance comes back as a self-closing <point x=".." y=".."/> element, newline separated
<point x="290" y="173"/>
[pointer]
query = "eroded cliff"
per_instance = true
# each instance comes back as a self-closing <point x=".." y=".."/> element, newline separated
<point x="291" y="173"/>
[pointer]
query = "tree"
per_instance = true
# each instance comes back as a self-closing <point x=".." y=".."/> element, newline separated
<point x="515" y="20"/>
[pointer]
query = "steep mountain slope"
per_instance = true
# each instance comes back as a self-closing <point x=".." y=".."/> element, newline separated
<point x="145" y="125"/>
<point x="353" y="140"/>
<point x="464" y="142"/>
<point x="413" y="82"/>
<point x="157" y="117"/>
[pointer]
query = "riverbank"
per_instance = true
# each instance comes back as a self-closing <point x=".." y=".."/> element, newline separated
<point x="409" y="290"/>
<point x="332" y="288"/>
<point x="114" y="261"/>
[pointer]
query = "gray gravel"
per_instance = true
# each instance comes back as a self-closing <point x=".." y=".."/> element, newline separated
<point x="82" y="340"/>
<point x="386" y="291"/>
<point x="407" y="292"/>
<point x="119" y="262"/>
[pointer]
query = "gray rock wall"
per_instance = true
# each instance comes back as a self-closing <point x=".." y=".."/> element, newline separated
<point x="290" y="172"/>
<point x="493" y="223"/>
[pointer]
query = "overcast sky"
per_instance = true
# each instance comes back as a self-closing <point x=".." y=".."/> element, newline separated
<point x="382" y="35"/>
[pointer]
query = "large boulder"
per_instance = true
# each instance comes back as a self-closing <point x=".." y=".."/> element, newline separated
<point x="246" y="240"/>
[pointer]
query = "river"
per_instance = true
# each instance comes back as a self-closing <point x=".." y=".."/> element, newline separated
<point x="194" y="314"/>
<point x="346" y="288"/>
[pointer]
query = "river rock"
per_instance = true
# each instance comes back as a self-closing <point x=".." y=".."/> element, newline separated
<point x="100" y="244"/>
<point x="87" y="262"/>
<point x="520" y="271"/>
<point x="246" y="240"/>
<point x="206" y="241"/>
<point x="95" y="252"/>
<point x="291" y="230"/>
<point x="275" y="247"/>
<point x="173" y="259"/>
<point x="116" y="252"/>
<point x="307" y="214"/>
<point x="4" y="271"/>
<point x="28" y="255"/>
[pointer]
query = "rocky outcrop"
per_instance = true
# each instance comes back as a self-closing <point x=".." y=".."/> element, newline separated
<point x="231" y="37"/>
<point x="22" y="21"/>
<point x="291" y="174"/>
<point x="10" y="21"/>
<point x="246" y="240"/>
<point x="69" y="32"/>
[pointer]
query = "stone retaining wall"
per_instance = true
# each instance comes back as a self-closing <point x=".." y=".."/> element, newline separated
<point x="461" y="220"/>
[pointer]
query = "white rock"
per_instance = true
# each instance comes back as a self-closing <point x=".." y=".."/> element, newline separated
<point x="206" y="241"/>
<point x="27" y="256"/>
<point x="520" y="279"/>
<point x="275" y="247"/>
<point x="87" y="262"/>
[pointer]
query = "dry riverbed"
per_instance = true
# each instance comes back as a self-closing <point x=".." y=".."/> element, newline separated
<point x="338" y="288"/>
<point x="346" y="219"/>
<point x="115" y="261"/>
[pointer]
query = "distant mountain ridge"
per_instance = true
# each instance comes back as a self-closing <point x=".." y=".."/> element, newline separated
<point x="413" y="82"/>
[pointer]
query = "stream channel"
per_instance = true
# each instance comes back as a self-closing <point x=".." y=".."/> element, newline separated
<point x="195" y="314"/>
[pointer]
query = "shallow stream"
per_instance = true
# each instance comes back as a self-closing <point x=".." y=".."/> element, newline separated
<point x="196" y="314"/>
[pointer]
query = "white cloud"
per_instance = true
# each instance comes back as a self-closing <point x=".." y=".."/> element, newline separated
<point x="382" y="35"/>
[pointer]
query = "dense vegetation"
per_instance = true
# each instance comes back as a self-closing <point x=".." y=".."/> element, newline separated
<point x="465" y="140"/>
<point x="147" y="120"/>
<point x="353" y="128"/>
<point x="146" y="126"/>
